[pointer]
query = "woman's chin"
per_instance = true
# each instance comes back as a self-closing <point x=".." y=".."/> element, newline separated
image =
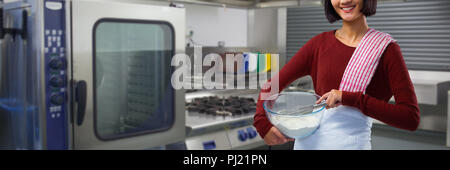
<point x="349" y="18"/>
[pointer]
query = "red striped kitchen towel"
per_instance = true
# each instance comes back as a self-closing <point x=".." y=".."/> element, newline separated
<point x="364" y="61"/>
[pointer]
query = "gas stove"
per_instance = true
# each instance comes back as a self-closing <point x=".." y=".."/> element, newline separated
<point x="221" y="106"/>
<point x="221" y="119"/>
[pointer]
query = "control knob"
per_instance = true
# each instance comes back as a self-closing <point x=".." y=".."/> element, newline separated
<point x="56" y="64"/>
<point x="57" y="82"/>
<point x="57" y="99"/>
<point x="242" y="136"/>
<point x="251" y="133"/>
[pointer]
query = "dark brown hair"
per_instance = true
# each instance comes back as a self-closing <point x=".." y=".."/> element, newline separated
<point x="369" y="8"/>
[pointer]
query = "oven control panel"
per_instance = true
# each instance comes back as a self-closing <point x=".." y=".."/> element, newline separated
<point x="240" y="138"/>
<point x="55" y="74"/>
<point x="211" y="141"/>
<point x="244" y="137"/>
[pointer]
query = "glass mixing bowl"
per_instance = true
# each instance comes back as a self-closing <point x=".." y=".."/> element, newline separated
<point x="295" y="114"/>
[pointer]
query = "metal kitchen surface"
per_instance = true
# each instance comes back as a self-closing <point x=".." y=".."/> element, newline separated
<point x="202" y="122"/>
<point x="221" y="131"/>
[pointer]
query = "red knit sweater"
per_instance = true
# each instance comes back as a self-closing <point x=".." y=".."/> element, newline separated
<point x="325" y="58"/>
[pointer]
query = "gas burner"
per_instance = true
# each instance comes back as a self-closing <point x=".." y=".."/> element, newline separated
<point x="214" y="105"/>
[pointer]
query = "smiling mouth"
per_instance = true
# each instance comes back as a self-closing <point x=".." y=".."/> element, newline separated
<point x="348" y="9"/>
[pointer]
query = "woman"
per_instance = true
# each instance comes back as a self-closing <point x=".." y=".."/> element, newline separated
<point x="346" y="123"/>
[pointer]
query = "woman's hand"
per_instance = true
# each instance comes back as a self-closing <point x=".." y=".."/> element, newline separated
<point x="333" y="98"/>
<point x="275" y="137"/>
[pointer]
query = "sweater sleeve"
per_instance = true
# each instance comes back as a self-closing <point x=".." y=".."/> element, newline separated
<point x="404" y="113"/>
<point x="298" y="66"/>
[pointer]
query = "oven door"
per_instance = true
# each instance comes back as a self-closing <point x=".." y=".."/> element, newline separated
<point x="121" y="61"/>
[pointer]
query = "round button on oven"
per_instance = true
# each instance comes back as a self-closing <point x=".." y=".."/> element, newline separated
<point x="57" y="82"/>
<point x="56" y="64"/>
<point x="57" y="99"/>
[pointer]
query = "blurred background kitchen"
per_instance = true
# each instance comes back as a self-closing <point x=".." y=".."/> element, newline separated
<point x="96" y="74"/>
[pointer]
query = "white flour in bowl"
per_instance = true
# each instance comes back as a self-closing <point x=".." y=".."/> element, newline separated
<point x="295" y="126"/>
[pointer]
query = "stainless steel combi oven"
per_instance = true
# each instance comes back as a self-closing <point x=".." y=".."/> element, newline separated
<point x="89" y="74"/>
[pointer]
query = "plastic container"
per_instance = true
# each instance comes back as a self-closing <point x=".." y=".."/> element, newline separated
<point x="268" y="62"/>
<point x="252" y="62"/>
<point x="244" y="68"/>
<point x="286" y="112"/>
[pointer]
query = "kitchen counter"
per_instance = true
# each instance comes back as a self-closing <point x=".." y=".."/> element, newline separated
<point x="206" y="131"/>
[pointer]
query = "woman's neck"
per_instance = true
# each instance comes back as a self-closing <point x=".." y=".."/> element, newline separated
<point x="355" y="30"/>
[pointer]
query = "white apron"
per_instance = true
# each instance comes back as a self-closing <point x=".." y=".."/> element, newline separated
<point x="343" y="128"/>
<point x="346" y="127"/>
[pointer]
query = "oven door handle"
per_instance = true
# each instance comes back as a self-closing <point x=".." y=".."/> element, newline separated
<point x="81" y="93"/>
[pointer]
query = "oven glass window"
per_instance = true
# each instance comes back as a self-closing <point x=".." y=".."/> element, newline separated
<point x="133" y="94"/>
